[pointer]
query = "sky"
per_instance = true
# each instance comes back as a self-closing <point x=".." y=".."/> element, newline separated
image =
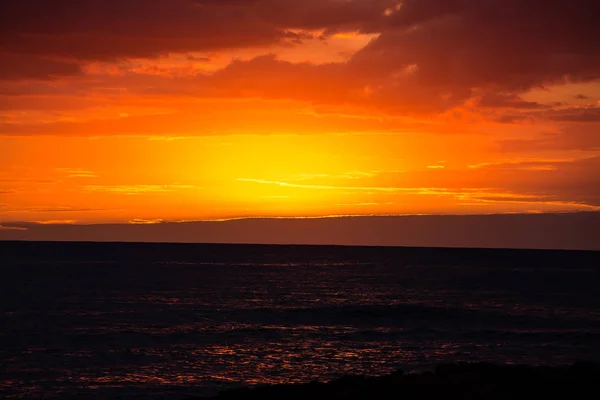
<point x="146" y="112"/>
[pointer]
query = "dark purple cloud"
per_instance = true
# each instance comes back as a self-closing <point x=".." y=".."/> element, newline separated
<point x="433" y="55"/>
<point x="508" y="45"/>
<point x="110" y="29"/>
<point x="500" y="100"/>
<point x="541" y="231"/>
<point x="23" y="67"/>
<point x="580" y="114"/>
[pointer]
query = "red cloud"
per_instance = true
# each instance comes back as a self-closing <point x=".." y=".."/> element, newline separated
<point x="511" y="45"/>
<point x="21" y="67"/>
<point x="109" y="29"/>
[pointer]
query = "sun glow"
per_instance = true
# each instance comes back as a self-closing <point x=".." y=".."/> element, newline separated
<point x="238" y="166"/>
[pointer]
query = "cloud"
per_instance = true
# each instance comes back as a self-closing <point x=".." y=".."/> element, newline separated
<point x="266" y="76"/>
<point x="67" y="209"/>
<point x="501" y="100"/>
<point x="346" y="175"/>
<point x="12" y="228"/>
<point x="430" y="55"/>
<point x="139" y="221"/>
<point x="573" y="136"/>
<point x="477" y="43"/>
<point x="225" y="116"/>
<point x="56" y="222"/>
<point x="77" y="172"/>
<point x="35" y="210"/>
<point x="548" y="231"/>
<point x="579" y="114"/>
<point x="575" y="180"/>
<point x="136" y="189"/>
<point x="524" y="164"/>
<point x="23" y="67"/>
<point x="110" y="29"/>
<point x="397" y="93"/>
<point x="196" y="58"/>
<point x="553" y="196"/>
<point x="389" y="189"/>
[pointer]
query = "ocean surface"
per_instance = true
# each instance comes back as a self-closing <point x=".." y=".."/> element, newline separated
<point x="150" y="320"/>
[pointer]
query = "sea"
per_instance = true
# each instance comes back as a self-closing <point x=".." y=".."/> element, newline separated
<point x="128" y="321"/>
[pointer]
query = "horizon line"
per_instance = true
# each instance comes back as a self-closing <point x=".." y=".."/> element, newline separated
<point x="2" y="241"/>
<point x="158" y="221"/>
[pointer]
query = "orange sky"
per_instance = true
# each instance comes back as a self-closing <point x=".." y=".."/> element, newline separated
<point x="201" y="110"/>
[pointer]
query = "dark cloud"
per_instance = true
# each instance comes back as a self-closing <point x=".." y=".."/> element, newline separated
<point x="22" y="67"/>
<point x="543" y="231"/>
<point x="109" y="29"/>
<point x="196" y="58"/>
<point x="331" y="15"/>
<point x="54" y="104"/>
<point x="436" y="54"/>
<point x="266" y="76"/>
<point x="581" y="114"/>
<point x="508" y="45"/>
<point x="511" y="118"/>
<point x="334" y="83"/>
<point x="506" y="101"/>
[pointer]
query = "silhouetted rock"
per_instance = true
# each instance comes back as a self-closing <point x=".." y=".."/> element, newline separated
<point x="449" y="381"/>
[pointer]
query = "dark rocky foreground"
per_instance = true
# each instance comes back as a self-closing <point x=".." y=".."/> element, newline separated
<point x="449" y="381"/>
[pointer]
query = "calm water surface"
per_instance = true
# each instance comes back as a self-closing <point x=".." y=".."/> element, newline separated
<point x="144" y="320"/>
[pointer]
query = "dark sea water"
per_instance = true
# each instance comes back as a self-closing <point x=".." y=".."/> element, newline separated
<point x="149" y="320"/>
